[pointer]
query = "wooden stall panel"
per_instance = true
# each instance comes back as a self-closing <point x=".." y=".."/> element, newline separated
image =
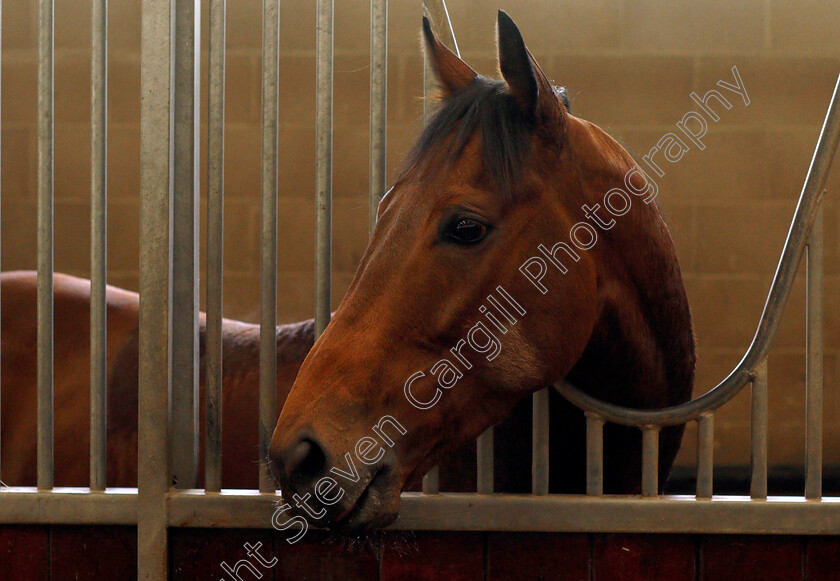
<point x="92" y="552"/>
<point x="752" y="558"/>
<point x="25" y="553"/>
<point x="537" y="556"/>
<point x="217" y="554"/>
<point x="432" y="555"/>
<point x="321" y="556"/>
<point x="822" y="559"/>
<point x="628" y="557"/>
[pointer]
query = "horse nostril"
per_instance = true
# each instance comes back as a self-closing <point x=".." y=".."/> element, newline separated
<point x="307" y="460"/>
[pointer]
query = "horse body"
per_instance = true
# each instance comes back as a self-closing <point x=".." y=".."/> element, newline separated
<point x="72" y="384"/>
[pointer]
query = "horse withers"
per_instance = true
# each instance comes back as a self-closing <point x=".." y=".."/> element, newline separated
<point x="449" y="322"/>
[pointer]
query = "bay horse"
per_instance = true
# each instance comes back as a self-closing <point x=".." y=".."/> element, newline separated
<point x="240" y="346"/>
<point x="485" y="281"/>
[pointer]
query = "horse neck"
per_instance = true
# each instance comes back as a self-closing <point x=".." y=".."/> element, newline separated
<point x="641" y="351"/>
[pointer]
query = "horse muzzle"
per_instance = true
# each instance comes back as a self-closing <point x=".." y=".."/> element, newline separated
<point x="348" y="496"/>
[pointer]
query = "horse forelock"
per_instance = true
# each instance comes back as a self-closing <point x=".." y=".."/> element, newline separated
<point x="486" y="108"/>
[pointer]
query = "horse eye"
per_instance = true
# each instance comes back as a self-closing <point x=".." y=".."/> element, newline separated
<point x="467" y="231"/>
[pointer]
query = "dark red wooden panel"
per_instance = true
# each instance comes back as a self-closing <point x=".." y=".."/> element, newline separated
<point x="822" y="559"/>
<point x="322" y="556"/>
<point x="199" y="554"/>
<point x="748" y="558"/>
<point x="650" y="557"/>
<point x="454" y="556"/>
<point x="25" y="553"/>
<point x="526" y="556"/>
<point x="93" y="552"/>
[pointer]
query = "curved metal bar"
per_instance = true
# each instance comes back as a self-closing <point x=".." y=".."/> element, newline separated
<point x="800" y="228"/>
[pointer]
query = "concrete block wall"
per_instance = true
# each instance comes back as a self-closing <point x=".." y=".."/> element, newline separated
<point x="629" y="66"/>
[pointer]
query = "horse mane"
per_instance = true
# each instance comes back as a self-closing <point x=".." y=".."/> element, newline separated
<point x="485" y="106"/>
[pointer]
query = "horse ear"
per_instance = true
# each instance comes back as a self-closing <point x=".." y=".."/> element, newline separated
<point x="525" y="78"/>
<point x="451" y="71"/>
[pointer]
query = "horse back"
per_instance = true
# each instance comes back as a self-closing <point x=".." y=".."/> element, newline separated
<point x="71" y="349"/>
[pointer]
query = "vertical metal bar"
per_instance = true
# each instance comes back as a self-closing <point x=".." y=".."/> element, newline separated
<point x="268" y="248"/>
<point x="323" y="163"/>
<point x="814" y="357"/>
<point x="215" y="244"/>
<point x="431" y="481"/>
<point x="594" y="454"/>
<point x="539" y="443"/>
<point x="650" y="460"/>
<point x="705" y="455"/>
<point x="185" y="295"/>
<point x="378" y="104"/>
<point x="1" y="407"/>
<point x="758" y="423"/>
<point x="155" y="269"/>
<point x="432" y="9"/>
<point x="45" y="244"/>
<point x="484" y="461"/>
<point x="98" y="244"/>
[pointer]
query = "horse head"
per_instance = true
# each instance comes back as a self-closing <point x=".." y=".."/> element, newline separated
<point x="449" y="320"/>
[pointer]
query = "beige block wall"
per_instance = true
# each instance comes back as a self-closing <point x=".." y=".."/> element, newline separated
<point x="629" y="66"/>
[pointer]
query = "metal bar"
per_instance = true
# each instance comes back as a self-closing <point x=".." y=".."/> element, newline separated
<point x="594" y="454"/>
<point x="539" y="442"/>
<point x="432" y="9"/>
<point x="215" y="244"/>
<point x="561" y="513"/>
<point x="814" y="362"/>
<point x="1" y="407"/>
<point x="809" y="199"/>
<point x="484" y="461"/>
<point x="378" y="105"/>
<point x="45" y="244"/>
<point x="185" y="263"/>
<point x="68" y="506"/>
<point x="431" y="481"/>
<point x="650" y="461"/>
<point x="268" y="243"/>
<point x="98" y="245"/>
<point x="551" y="513"/>
<point x="758" y="432"/>
<point x="705" y="455"/>
<point x="156" y="121"/>
<point x="323" y="164"/>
